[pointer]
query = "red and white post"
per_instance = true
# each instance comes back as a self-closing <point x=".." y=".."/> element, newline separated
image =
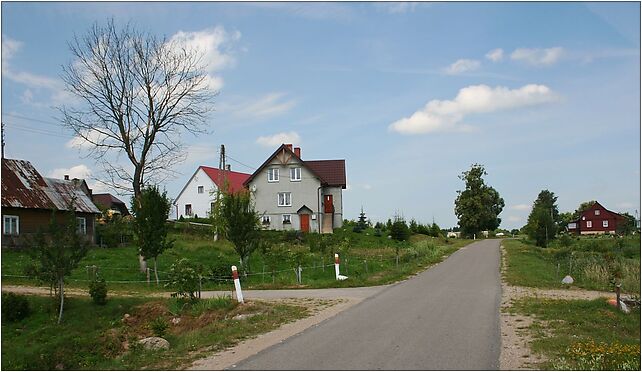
<point x="336" y="266"/>
<point x="237" y="284"/>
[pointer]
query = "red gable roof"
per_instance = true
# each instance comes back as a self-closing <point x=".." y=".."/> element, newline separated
<point x="332" y="172"/>
<point x="235" y="179"/>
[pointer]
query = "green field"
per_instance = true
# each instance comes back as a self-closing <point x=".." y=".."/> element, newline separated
<point x="365" y="258"/>
<point x="592" y="262"/>
<point x="583" y="335"/>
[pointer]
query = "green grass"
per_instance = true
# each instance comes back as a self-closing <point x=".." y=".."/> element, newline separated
<point x="581" y="334"/>
<point x="94" y="337"/>
<point x="590" y="261"/>
<point x="365" y="258"/>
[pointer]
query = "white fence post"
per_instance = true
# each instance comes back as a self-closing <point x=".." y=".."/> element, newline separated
<point x="237" y="284"/>
<point x="336" y="266"/>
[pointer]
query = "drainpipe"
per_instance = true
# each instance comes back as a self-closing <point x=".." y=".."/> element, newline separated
<point x="319" y="208"/>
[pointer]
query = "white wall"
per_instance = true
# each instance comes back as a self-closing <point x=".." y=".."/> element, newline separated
<point x="201" y="203"/>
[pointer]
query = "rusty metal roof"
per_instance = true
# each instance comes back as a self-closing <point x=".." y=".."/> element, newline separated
<point x="24" y="187"/>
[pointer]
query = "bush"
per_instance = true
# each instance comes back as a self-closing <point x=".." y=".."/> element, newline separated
<point x="399" y="230"/>
<point x="183" y="277"/>
<point x="98" y="291"/>
<point x="15" y="307"/>
<point x="159" y="326"/>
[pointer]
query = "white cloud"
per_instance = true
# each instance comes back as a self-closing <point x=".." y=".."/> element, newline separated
<point x="625" y="205"/>
<point x="537" y="57"/>
<point x="79" y="171"/>
<point x="367" y="187"/>
<point x="520" y="207"/>
<point x="463" y="65"/>
<point x="80" y="142"/>
<point x="278" y="139"/>
<point x="216" y="46"/>
<point x="266" y="105"/>
<point x="495" y="55"/>
<point x="399" y="7"/>
<point x="514" y="219"/>
<point x="446" y="116"/>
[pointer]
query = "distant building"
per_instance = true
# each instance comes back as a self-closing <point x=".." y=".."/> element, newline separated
<point x="596" y="220"/>
<point x="295" y="194"/>
<point x="110" y="203"/>
<point x="28" y="200"/>
<point x="199" y="194"/>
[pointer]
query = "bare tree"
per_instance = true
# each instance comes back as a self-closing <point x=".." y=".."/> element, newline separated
<point x="138" y="94"/>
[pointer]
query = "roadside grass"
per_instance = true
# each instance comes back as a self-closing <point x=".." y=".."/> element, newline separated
<point x="583" y="335"/>
<point x="100" y="338"/>
<point x="365" y="258"/>
<point x="591" y="262"/>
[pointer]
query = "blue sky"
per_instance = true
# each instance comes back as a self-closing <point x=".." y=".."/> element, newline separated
<point x="544" y="95"/>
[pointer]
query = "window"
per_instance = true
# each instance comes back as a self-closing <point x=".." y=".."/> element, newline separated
<point x="273" y="174"/>
<point x="11" y="225"/>
<point x="605" y="223"/>
<point x="589" y="224"/>
<point x="285" y="199"/>
<point x="597" y="212"/>
<point x="286" y="219"/>
<point x="572" y="225"/>
<point x="200" y="189"/>
<point x="295" y="174"/>
<point x="81" y="225"/>
<point x="188" y="209"/>
<point x="265" y="220"/>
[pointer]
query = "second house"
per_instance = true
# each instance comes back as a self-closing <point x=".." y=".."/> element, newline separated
<point x="292" y="194"/>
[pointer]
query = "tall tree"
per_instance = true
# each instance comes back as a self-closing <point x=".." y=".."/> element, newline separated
<point x="236" y="220"/>
<point x="150" y="224"/>
<point x="628" y="226"/>
<point x="478" y="206"/>
<point x="57" y="251"/>
<point x="564" y="219"/>
<point x="137" y="95"/>
<point x="542" y="221"/>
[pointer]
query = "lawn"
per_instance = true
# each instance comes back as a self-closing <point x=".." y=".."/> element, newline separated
<point x="583" y="335"/>
<point x="366" y="259"/>
<point x="93" y="337"/>
<point x="591" y="261"/>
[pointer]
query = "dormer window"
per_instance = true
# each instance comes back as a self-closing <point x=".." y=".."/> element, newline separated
<point x="273" y="174"/>
<point x="295" y="174"/>
<point x="597" y="212"/>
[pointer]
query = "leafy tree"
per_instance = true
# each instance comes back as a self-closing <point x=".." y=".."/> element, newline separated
<point x="150" y="224"/>
<point x="435" y="230"/>
<point x="237" y="221"/>
<point x="563" y="220"/>
<point x="514" y="232"/>
<point x="478" y="206"/>
<point x="628" y="226"/>
<point x="57" y="251"/>
<point x="583" y="206"/>
<point x="542" y="221"/>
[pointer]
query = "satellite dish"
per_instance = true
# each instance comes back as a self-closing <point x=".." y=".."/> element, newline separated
<point x="253" y="188"/>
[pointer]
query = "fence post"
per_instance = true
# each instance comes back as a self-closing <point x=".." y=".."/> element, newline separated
<point x="147" y="269"/>
<point x="237" y="284"/>
<point x="336" y="266"/>
<point x="365" y="263"/>
<point x="617" y="296"/>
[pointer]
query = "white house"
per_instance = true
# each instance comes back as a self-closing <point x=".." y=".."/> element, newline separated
<point x="197" y="198"/>
<point x="294" y="194"/>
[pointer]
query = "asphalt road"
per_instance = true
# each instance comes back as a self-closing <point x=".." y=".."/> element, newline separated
<point x="446" y="318"/>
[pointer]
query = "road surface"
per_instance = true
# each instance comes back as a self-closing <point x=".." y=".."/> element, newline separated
<point x="444" y="318"/>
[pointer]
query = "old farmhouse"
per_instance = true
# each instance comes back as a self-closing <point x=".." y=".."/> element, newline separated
<point x="596" y="220"/>
<point x="28" y="200"/>
<point x="294" y="194"/>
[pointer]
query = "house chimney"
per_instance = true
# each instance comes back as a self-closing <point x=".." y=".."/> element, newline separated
<point x="289" y="146"/>
<point x="229" y="167"/>
<point x="66" y="177"/>
<point x="297" y="151"/>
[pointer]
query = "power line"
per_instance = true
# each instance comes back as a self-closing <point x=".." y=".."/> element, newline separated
<point x="32" y="119"/>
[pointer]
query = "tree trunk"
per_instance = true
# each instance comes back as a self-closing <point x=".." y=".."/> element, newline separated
<point x="62" y="298"/>
<point x="143" y="263"/>
<point x="156" y="272"/>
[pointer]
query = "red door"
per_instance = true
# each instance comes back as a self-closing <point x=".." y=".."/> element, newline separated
<point x="305" y="222"/>
<point x="328" y="205"/>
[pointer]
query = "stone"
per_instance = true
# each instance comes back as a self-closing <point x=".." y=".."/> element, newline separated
<point x="244" y="316"/>
<point x="154" y="343"/>
<point x="567" y="280"/>
<point x="175" y="321"/>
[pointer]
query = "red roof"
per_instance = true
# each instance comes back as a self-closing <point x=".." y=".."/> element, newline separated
<point x="235" y="179"/>
<point x="24" y="187"/>
<point x="332" y="172"/>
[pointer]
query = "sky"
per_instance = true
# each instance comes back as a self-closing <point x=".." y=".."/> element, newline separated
<point x="544" y="95"/>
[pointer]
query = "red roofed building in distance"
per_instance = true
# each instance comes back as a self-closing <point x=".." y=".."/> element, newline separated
<point x="197" y="197"/>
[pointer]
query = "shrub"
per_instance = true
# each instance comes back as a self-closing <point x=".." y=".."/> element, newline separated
<point x="15" y="307"/>
<point x="98" y="291"/>
<point x="159" y="326"/>
<point x="183" y="277"/>
<point x="399" y="230"/>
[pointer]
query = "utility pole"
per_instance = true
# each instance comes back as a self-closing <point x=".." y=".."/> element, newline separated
<point x="3" y="140"/>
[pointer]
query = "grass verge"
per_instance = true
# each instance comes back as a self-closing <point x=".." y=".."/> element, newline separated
<point x="583" y="335"/>
<point x="101" y="337"/>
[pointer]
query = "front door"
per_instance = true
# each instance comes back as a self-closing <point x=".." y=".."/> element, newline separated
<point x="305" y="222"/>
<point x="328" y="205"/>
